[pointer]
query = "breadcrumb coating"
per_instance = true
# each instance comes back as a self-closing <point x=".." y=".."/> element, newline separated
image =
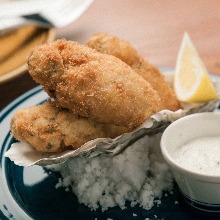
<point x="122" y="49"/>
<point x="50" y="129"/>
<point x="92" y="84"/>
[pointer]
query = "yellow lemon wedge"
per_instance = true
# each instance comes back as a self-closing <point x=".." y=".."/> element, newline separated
<point x="191" y="78"/>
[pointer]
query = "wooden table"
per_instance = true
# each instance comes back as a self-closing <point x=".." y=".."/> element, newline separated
<point x="154" y="28"/>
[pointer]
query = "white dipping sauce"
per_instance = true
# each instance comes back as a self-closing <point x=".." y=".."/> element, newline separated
<point x="200" y="155"/>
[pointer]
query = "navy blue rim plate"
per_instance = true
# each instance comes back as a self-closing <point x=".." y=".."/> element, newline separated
<point x="30" y="193"/>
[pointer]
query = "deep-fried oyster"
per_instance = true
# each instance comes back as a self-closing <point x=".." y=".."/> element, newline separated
<point x="50" y="129"/>
<point x="122" y="49"/>
<point x="92" y="84"/>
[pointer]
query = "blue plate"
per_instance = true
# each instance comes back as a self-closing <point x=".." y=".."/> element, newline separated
<point x="30" y="193"/>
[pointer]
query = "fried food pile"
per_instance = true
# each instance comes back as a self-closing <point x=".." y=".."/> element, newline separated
<point x="100" y="90"/>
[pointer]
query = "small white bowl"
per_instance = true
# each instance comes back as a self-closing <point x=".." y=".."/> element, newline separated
<point x="201" y="191"/>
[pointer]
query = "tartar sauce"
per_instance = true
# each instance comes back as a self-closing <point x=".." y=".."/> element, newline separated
<point x="200" y="155"/>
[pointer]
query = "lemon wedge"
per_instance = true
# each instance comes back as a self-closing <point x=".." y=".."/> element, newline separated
<point x="191" y="79"/>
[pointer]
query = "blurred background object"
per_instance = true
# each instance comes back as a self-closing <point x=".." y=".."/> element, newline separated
<point x="46" y="13"/>
<point x="25" y="24"/>
<point x="16" y="46"/>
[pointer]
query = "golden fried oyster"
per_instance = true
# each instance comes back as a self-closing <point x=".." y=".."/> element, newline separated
<point x="122" y="49"/>
<point x="92" y="84"/>
<point x="50" y="129"/>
